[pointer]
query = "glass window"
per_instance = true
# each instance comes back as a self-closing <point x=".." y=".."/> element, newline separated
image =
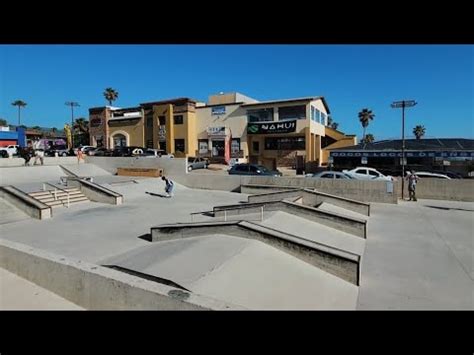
<point x="120" y="140"/>
<point x="178" y="119"/>
<point x="203" y="145"/>
<point x="361" y="171"/>
<point x="242" y="167"/>
<point x="323" y="118"/>
<point x="327" y="176"/>
<point x="292" y="113"/>
<point x="179" y="145"/>
<point x="256" y="146"/>
<point x="285" y="143"/>
<point x="373" y="173"/>
<point x="262" y="115"/>
<point x="235" y="145"/>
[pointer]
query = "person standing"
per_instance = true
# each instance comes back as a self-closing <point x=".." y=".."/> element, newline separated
<point x="412" y="180"/>
<point x="80" y="155"/>
<point x="169" y="186"/>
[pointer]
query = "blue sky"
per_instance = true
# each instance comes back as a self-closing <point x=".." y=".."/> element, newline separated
<point x="351" y="77"/>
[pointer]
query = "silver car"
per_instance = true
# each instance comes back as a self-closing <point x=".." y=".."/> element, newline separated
<point x="329" y="175"/>
<point x="197" y="163"/>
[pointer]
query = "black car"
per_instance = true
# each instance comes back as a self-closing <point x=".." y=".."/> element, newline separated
<point x="253" y="169"/>
<point x="62" y="151"/>
<point x="128" y="151"/>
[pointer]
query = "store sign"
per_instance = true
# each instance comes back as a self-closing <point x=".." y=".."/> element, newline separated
<point x="96" y="122"/>
<point x="218" y="110"/>
<point x="216" y="131"/>
<point x="425" y="154"/>
<point x="272" y="127"/>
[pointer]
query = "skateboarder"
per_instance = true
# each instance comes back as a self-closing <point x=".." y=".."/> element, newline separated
<point x="169" y="186"/>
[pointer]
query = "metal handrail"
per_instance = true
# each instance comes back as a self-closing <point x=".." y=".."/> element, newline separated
<point x="55" y="192"/>
<point x="225" y="213"/>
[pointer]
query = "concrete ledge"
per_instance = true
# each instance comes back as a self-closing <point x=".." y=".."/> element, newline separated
<point x="26" y="203"/>
<point x="354" y="226"/>
<point x="338" y="262"/>
<point x="314" y="198"/>
<point x="275" y="195"/>
<point x="254" y="189"/>
<point x="97" y="193"/>
<point x="98" y="288"/>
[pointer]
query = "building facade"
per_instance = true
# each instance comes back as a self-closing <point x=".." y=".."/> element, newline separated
<point x="229" y="126"/>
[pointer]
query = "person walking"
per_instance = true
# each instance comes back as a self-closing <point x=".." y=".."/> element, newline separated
<point x="80" y="155"/>
<point x="412" y="180"/>
<point x="39" y="154"/>
<point x="169" y="186"/>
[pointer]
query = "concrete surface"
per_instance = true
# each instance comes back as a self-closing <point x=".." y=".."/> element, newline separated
<point x="419" y="257"/>
<point x="9" y="213"/>
<point x="27" y="204"/>
<point x="244" y="272"/>
<point x="30" y="174"/>
<point x="443" y="189"/>
<point x="18" y="162"/>
<point x="16" y="293"/>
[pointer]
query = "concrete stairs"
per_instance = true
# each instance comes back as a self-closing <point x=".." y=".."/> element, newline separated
<point x="47" y="197"/>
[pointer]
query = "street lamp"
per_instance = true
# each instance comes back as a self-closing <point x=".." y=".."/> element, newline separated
<point x="72" y="104"/>
<point x="403" y="104"/>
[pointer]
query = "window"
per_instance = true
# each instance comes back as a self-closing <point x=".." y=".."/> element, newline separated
<point x="235" y="145"/>
<point x="179" y="145"/>
<point x="256" y="147"/>
<point x="313" y="114"/>
<point x="120" y="140"/>
<point x="285" y="143"/>
<point x="292" y="113"/>
<point x="373" y="173"/>
<point x="262" y="115"/>
<point x="327" y="176"/>
<point x="162" y="120"/>
<point x="203" y="146"/>
<point x="178" y="119"/>
<point x="323" y="118"/>
<point x="242" y="167"/>
<point x="361" y="171"/>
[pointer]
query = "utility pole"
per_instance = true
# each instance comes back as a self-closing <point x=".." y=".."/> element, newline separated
<point x="72" y="104"/>
<point x="403" y="104"/>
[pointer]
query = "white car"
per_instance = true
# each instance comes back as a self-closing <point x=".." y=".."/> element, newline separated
<point x="9" y="150"/>
<point x="428" y="175"/>
<point x="364" y="173"/>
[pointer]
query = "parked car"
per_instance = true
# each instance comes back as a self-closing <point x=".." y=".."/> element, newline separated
<point x="100" y="152"/>
<point x="9" y="150"/>
<point x="252" y="169"/>
<point x="197" y="163"/>
<point x="365" y="173"/>
<point x="428" y="175"/>
<point x="451" y="174"/>
<point x="84" y="149"/>
<point x="62" y="151"/>
<point x="156" y="153"/>
<point x="128" y="151"/>
<point x="330" y="175"/>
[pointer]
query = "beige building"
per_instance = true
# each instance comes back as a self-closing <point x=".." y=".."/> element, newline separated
<point x="229" y="126"/>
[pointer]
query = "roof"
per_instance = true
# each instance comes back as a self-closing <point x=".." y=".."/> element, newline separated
<point x="301" y="99"/>
<point x="169" y="101"/>
<point x="432" y="144"/>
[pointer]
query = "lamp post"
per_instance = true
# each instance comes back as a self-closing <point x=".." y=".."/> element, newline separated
<point x="403" y="104"/>
<point x="72" y="104"/>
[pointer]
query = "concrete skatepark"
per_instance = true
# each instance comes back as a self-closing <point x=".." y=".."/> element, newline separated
<point x="409" y="255"/>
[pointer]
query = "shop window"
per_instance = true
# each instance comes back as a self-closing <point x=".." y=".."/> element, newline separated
<point x="235" y="145"/>
<point x="292" y="113"/>
<point x="120" y="140"/>
<point x="203" y="145"/>
<point x="285" y="143"/>
<point x="179" y="145"/>
<point x="178" y="119"/>
<point x="262" y="115"/>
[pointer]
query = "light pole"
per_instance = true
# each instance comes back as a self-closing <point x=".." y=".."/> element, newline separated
<point x="403" y="104"/>
<point x="72" y="104"/>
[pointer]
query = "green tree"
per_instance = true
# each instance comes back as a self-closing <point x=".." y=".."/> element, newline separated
<point x="364" y="117"/>
<point x="369" y="138"/>
<point x="3" y="122"/>
<point x="20" y="105"/>
<point x="334" y="125"/>
<point x="419" y="131"/>
<point x="111" y="95"/>
<point x="36" y="127"/>
<point x="81" y="131"/>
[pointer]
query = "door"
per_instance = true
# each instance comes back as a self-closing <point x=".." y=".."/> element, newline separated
<point x="218" y="148"/>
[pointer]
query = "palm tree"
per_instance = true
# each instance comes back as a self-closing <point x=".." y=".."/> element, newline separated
<point x="110" y="95"/>
<point x="419" y="131"/>
<point x="329" y="120"/>
<point x="20" y="104"/>
<point x="364" y="117"/>
<point x="369" y="138"/>
<point x="81" y="128"/>
<point x="3" y="122"/>
<point x="334" y="125"/>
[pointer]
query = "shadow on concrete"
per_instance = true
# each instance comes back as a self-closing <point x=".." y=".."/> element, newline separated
<point x="157" y="195"/>
<point x="146" y="237"/>
<point x="449" y="208"/>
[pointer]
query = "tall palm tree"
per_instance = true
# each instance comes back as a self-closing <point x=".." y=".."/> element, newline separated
<point x="369" y="138"/>
<point x="364" y="117"/>
<point x="81" y="128"/>
<point x="419" y="131"/>
<point x="20" y="104"/>
<point x="334" y="125"/>
<point x="110" y="95"/>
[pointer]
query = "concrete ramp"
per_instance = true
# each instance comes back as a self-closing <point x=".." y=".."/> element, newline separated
<point x="30" y="174"/>
<point x="328" y="207"/>
<point x="10" y="213"/>
<point x="245" y="272"/>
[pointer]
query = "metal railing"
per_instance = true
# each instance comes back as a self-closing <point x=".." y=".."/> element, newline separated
<point x="55" y="194"/>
